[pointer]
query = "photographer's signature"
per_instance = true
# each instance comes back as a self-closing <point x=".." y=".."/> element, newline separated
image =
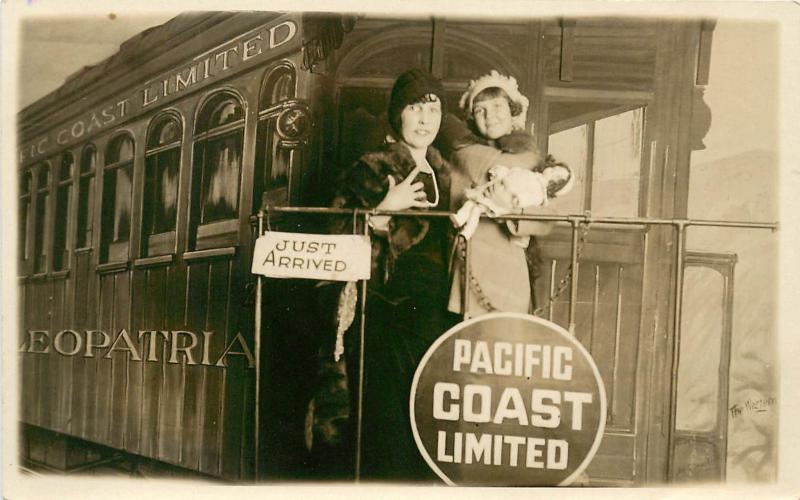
<point x="752" y="405"/>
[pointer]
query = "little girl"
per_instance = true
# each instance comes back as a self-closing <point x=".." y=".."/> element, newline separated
<point x="499" y="269"/>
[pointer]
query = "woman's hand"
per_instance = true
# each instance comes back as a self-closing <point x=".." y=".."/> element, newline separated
<point x="407" y="194"/>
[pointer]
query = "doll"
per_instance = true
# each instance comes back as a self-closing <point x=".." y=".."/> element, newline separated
<point x="510" y="190"/>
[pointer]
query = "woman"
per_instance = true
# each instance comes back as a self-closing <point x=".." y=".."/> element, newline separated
<point x="407" y="294"/>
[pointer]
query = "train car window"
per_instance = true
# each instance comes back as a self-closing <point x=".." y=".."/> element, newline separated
<point x="24" y="216"/>
<point x="86" y="197"/>
<point x="116" y="207"/>
<point x="602" y="144"/>
<point x="160" y="208"/>
<point x="216" y="172"/>
<point x="60" y="230"/>
<point x="362" y="121"/>
<point x="279" y="86"/>
<point x="42" y="212"/>
<point x="273" y="156"/>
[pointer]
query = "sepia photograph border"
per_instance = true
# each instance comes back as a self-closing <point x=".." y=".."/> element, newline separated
<point x="785" y="15"/>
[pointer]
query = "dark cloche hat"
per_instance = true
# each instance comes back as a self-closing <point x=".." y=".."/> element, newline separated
<point x="410" y="87"/>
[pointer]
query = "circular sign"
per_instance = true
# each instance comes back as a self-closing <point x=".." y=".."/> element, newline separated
<point x="507" y="399"/>
<point x="294" y="123"/>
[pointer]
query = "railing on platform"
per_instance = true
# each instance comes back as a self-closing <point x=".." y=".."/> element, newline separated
<point x="575" y="221"/>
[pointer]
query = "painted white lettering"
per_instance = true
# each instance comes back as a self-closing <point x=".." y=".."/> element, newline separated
<point x="562" y="357"/>
<point x="91" y="345"/>
<point x="146" y="99"/>
<point x="557" y="454"/>
<point x="439" y="391"/>
<point x="108" y="115"/>
<point x="545" y="415"/>
<point x="511" y="405"/>
<point x="150" y="338"/>
<point x="224" y="55"/>
<point x="478" y="448"/>
<point x="461" y="353"/>
<point x="251" y="48"/>
<point x="126" y="339"/>
<point x="94" y="122"/>
<point x="41" y="145"/>
<point x="502" y="366"/>
<point x="281" y="33"/>
<point x="484" y="395"/>
<point x="78" y="128"/>
<point x="191" y="79"/>
<point x="513" y="442"/>
<point x="41" y="337"/>
<point x="533" y="453"/>
<point x="58" y="342"/>
<point x="122" y="107"/>
<point x="186" y="349"/>
<point x="206" y="345"/>
<point x="578" y="399"/>
<point x="481" y="360"/>
<point x="206" y="67"/>
<point x="239" y="339"/>
<point x="62" y="138"/>
<point x="441" y="448"/>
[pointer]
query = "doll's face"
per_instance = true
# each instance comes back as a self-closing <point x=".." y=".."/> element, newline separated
<point x="419" y="122"/>
<point x="493" y="117"/>
<point x="503" y="193"/>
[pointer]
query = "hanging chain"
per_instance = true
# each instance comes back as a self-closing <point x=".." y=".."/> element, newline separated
<point x="475" y="286"/>
<point x="565" y="281"/>
<point x="484" y="301"/>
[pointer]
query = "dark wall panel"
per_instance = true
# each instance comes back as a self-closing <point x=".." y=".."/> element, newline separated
<point x="215" y="383"/>
<point x="119" y="360"/>
<point x="103" y="381"/>
<point x="135" y="370"/>
<point x="602" y="53"/>
<point x="153" y="376"/>
<point x="61" y="364"/>
<point x="171" y="404"/>
<point x="194" y="402"/>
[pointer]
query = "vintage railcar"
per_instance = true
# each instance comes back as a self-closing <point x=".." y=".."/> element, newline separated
<point x="140" y="177"/>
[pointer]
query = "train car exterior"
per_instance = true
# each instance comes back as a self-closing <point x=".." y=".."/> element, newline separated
<point x="140" y="177"/>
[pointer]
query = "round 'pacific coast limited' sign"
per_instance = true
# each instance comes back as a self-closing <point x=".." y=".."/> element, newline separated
<point x="507" y="400"/>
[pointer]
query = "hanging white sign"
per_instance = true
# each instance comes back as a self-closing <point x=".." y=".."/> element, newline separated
<point x="312" y="256"/>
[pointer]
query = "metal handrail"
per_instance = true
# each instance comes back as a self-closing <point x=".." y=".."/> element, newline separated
<point x="576" y="221"/>
<point x="585" y="218"/>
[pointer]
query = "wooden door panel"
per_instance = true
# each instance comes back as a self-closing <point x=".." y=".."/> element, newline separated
<point x="615" y="461"/>
<point x="607" y="319"/>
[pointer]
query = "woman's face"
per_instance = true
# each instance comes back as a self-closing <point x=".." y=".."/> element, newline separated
<point x="493" y="117"/>
<point x="420" y="123"/>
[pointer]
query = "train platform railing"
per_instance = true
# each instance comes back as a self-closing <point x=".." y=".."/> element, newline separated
<point x="576" y="222"/>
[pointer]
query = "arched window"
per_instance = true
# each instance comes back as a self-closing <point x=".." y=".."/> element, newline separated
<point x="162" y="165"/>
<point x="24" y="215"/>
<point x="60" y="229"/>
<point x="42" y="211"/>
<point x="117" y="204"/>
<point x="273" y="156"/>
<point x="216" y="172"/>
<point x="86" y="197"/>
<point x="279" y="86"/>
